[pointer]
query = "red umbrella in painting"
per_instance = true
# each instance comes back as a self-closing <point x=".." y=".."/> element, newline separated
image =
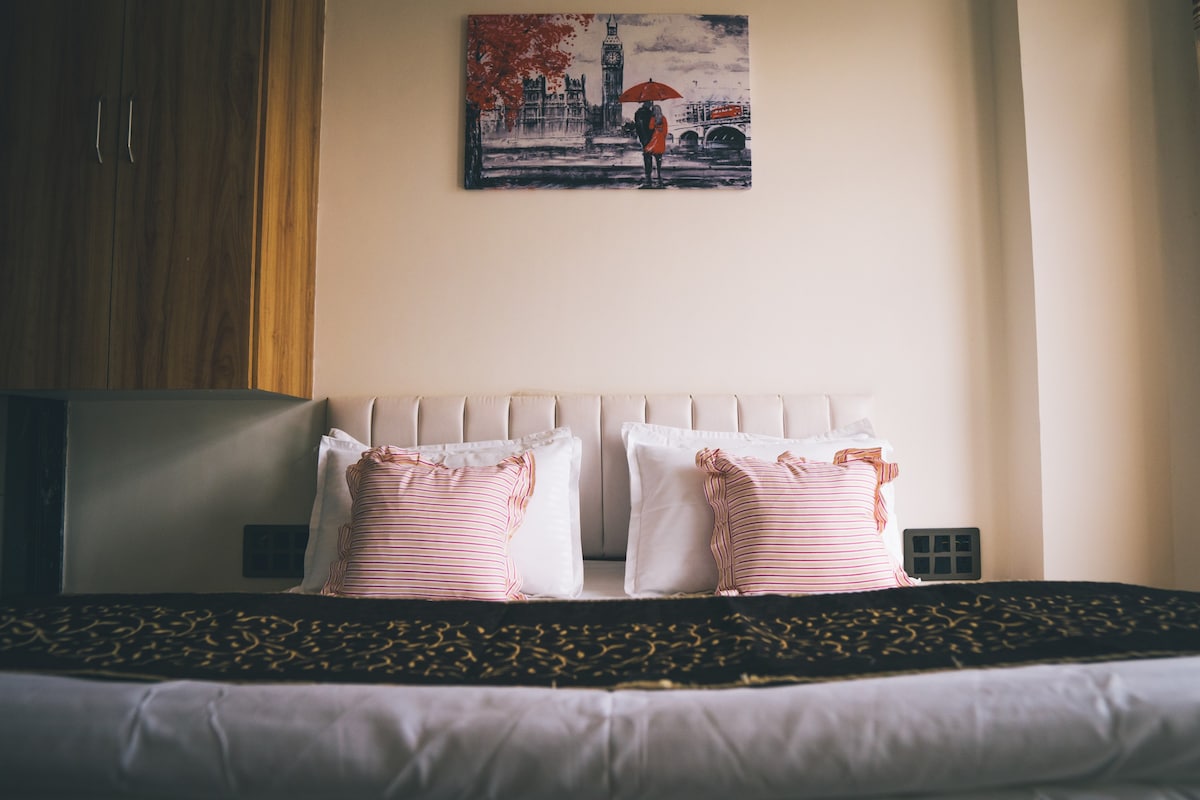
<point x="650" y="90"/>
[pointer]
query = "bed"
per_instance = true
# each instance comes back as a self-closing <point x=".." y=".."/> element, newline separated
<point x="625" y="670"/>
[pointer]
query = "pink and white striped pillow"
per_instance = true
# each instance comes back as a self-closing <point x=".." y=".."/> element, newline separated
<point x="423" y="530"/>
<point x="797" y="526"/>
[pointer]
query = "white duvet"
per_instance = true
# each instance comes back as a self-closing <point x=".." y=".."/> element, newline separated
<point x="1122" y="729"/>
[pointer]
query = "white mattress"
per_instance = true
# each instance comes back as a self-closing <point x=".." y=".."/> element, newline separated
<point x="1122" y="729"/>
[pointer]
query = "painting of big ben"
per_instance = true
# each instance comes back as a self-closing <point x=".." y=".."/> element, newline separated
<point x="592" y="101"/>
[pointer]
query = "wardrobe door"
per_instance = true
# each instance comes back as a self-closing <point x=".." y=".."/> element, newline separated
<point x="186" y="223"/>
<point x="60" y="61"/>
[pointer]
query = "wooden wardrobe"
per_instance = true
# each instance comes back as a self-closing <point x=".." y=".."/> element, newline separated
<point x="158" y="193"/>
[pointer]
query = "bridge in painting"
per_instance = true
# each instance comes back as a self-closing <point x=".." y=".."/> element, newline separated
<point x="712" y="124"/>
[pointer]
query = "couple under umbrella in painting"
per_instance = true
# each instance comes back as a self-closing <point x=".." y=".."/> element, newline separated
<point x="650" y="123"/>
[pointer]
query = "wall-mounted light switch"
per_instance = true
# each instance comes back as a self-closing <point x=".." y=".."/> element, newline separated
<point x="273" y="551"/>
<point x="942" y="554"/>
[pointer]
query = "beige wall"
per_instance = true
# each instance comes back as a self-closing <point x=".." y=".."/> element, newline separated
<point x="857" y="262"/>
<point x="893" y="243"/>
<point x="1102" y="245"/>
<point x="1177" y="196"/>
<point x="1018" y="484"/>
<point x="1098" y="291"/>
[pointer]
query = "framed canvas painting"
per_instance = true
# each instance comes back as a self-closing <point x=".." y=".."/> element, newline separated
<point x="607" y="101"/>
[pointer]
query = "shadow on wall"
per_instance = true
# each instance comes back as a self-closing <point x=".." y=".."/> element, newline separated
<point x="1178" y="241"/>
<point x="158" y="491"/>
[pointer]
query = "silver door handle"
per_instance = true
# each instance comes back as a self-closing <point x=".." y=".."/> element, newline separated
<point x="99" y="109"/>
<point x="129" y="132"/>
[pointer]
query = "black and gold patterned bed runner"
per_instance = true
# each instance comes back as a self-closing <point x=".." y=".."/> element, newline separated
<point x="683" y="642"/>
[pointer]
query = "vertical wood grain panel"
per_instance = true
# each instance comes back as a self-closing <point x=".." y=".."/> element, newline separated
<point x="57" y="60"/>
<point x="291" y="123"/>
<point x="185" y="213"/>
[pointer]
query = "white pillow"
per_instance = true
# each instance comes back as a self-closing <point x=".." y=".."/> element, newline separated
<point x="670" y="520"/>
<point x="547" y="548"/>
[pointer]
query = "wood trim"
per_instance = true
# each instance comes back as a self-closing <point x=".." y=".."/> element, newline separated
<point x="290" y="127"/>
<point x="34" y="496"/>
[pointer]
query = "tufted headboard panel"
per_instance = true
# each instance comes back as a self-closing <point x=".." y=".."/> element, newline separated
<point x="409" y="420"/>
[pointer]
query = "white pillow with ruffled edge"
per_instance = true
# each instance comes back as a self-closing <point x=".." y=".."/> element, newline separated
<point x="670" y="520"/>
<point x="547" y="548"/>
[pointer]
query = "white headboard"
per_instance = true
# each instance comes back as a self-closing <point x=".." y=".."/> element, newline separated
<point x="596" y="419"/>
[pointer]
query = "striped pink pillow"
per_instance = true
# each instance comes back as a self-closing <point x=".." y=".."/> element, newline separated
<point x="796" y="526"/>
<point x="422" y="530"/>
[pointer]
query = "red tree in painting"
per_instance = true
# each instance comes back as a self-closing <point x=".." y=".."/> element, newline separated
<point x="503" y="50"/>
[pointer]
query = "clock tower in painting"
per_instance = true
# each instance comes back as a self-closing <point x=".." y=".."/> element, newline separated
<point x="612" y="58"/>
